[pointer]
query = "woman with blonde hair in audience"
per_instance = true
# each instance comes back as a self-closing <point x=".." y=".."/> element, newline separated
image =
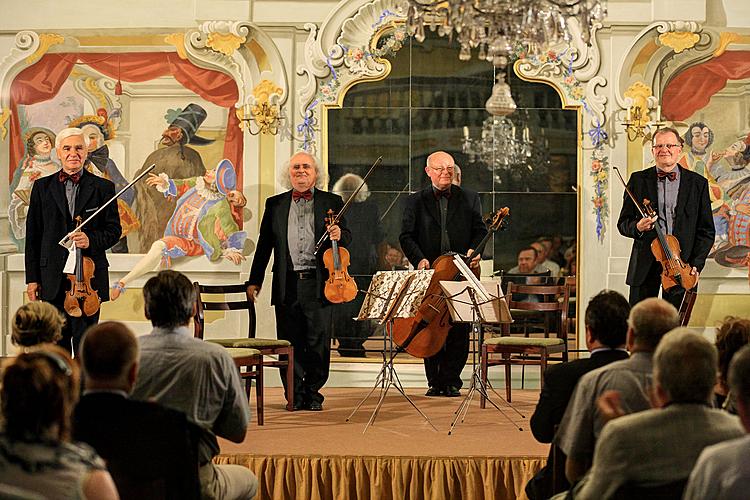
<point x="39" y="391"/>
<point x="36" y="323"/>
<point x="731" y="335"/>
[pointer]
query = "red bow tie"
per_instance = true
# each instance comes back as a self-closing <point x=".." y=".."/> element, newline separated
<point x="445" y="193"/>
<point x="670" y="175"/>
<point x="74" y="178"/>
<point x="307" y="195"/>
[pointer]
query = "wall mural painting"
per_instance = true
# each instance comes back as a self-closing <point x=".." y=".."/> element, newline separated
<point x="190" y="205"/>
<point x="703" y="100"/>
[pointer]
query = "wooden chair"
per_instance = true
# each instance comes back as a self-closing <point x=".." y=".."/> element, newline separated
<point x="281" y="349"/>
<point x="686" y="307"/>
<point x="526" y="350"/>
<point x="252" y="361"/>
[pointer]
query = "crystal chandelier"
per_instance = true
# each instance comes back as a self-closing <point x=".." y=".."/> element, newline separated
<point x="498" y="27"/>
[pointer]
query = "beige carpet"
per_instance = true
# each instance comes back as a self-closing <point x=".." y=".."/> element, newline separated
<point x="320" y="455"/>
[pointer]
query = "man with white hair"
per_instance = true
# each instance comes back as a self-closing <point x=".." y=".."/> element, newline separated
<point x="292" y="223"/>
<point x="55" y="202"/>
<point x="658" y="447"/>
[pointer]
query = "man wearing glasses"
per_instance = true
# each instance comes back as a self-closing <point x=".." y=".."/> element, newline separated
<point x="441" y="218"/>
<point x="683" y="209"/>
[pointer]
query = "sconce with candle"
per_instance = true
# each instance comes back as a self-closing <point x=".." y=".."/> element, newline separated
<point x="638" y="122"/>
<point x="263" y="114"/>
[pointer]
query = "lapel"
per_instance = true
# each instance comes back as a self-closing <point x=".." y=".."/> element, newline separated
<point x="651" y="189"/>
<point x="428" y="200"/>
<point x="282" y="217"/>
<point x="320" y="209"/>
<point x="85" y="191"/>
<point x="682" y="197"/>
<point x="57" y="189"/>
<point x="453" y="203"/>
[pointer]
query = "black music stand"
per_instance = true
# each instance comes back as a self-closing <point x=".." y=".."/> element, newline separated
<point x="392" y="294"/>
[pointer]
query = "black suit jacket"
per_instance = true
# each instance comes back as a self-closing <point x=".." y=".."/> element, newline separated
<point x="49" y="221"/>
<point x="559" y="382"/>
<point x="147" y="446"/>
<point x="693" y="224"/>
<point x="273" y="238"/>
<point x="420" y="227"/>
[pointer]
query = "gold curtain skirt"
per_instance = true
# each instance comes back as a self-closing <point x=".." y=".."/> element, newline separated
<point x="383" y="478"/>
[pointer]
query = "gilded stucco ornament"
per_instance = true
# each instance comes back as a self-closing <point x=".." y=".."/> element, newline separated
<point x="177" y="40"/>
<point x="46" y="40"/>
<point x="226" y="43"/>
<point x="679" y="40"/>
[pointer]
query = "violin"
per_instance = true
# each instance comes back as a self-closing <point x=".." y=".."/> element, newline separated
<point x="81" y="298"/>
<point x="339" y="287"/>
<point x="424" y="335"/>
<point x="666" y="249"/>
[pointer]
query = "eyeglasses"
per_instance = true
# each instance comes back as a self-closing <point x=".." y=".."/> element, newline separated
<point x="449" y="168"/>
<point x="669" y="147"/>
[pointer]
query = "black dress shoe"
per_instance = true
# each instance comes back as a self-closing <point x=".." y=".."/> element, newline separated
<point x="433" y="392"/>
<point x="299" y="405"/>
<point x="315" y="406"/>
<point x="452" y="391"/>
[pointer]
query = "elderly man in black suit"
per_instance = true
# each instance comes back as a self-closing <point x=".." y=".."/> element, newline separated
<point x="443" y="218"/>
<point x="292" y="223"/>
<point x="681" y="200"/>
<point x="56" y="201"/>
<point x="606" y="330"/>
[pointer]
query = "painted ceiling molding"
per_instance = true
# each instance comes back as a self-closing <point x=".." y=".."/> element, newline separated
<point x="237" y="48"/>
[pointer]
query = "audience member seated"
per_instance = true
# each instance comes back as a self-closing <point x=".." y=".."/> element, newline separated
<point x="151" y="451"/>
<point x="526" y="262"/>
<point x="195" y="377"/>
<point x="723" y="470"/>
<point x="660" y="446"/>
<point x="606" y="328"/>
<point x="39" y="391"/>
<point x="731" y="336"/>
<point x="542" y="247"/>
<point x="582" y="423"/>
<point x="36" y="323"/>
<point x="394" y="259"/>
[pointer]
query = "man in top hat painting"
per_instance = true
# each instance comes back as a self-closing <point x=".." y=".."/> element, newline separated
<point x="176" y="160"/>
<point x="206" y="221"/>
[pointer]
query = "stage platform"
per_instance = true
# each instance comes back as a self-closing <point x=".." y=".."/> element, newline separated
<point x="318" y="455"/>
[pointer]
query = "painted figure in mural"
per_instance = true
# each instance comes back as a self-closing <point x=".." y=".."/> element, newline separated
<point x="98" y="128"/>
<point x="206" y="221"/>
<point x="177" y="161"/>
<point x="55" y="202"/>
<point x="699" y="138"/>
<point x="681" y="200"/>
<point x="36" y="163"/>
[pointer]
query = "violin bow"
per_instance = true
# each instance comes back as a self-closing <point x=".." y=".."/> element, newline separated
<point x="66" y="240"/>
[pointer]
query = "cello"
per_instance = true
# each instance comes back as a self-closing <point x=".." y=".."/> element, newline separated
<point x="81" y="298"/>
<point x="666" y="249"/>
<point x="339" y="287"/>
<point x="424" y="335"/>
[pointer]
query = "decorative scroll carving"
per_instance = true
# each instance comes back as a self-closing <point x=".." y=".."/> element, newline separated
<point x="46" y="40"/>
<point x="100" y="92"/>
<point x="26" y="44"/>
<point x="226" y="43"/>
<point x="679" y="40"/>
<point x="4" y="117"/>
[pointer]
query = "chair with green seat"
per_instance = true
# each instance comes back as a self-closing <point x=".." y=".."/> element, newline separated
<point x="281" y="349"/>
<point x="252" y="361"/>
<point x="509" y="350"/>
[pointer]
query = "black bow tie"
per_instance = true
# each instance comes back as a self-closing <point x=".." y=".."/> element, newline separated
<point x="446" y="193"/>
<point x="74" y="178"/>
<point x="670" y="175"/>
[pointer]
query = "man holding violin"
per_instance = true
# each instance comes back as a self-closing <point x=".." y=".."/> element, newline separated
<point x="292" y="223"/>
<point x="442" y="218"/>
<point x="56" y="201"/>
<point x="683" y="210"/>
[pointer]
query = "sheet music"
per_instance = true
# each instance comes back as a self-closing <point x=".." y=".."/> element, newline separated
<point x="384" y="287"/>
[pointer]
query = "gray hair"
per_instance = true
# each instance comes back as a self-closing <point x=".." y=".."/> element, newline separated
<point x="283" y="176"/>
<point x="685" y="366"/>
<point x="650" y="319"/>
<point x="739" y="375"/>
<point x="347" y="184"/>
<point x="70" y="132"/>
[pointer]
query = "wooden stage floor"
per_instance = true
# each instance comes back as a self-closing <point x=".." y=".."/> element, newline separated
<point x="319" y="455"/>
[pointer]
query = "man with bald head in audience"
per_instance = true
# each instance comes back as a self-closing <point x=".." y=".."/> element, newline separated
<point x="140" y="440"/>
<point x="658" y="447"/>
<point x="582" y="423"/>
<point x="723" y="470"/>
